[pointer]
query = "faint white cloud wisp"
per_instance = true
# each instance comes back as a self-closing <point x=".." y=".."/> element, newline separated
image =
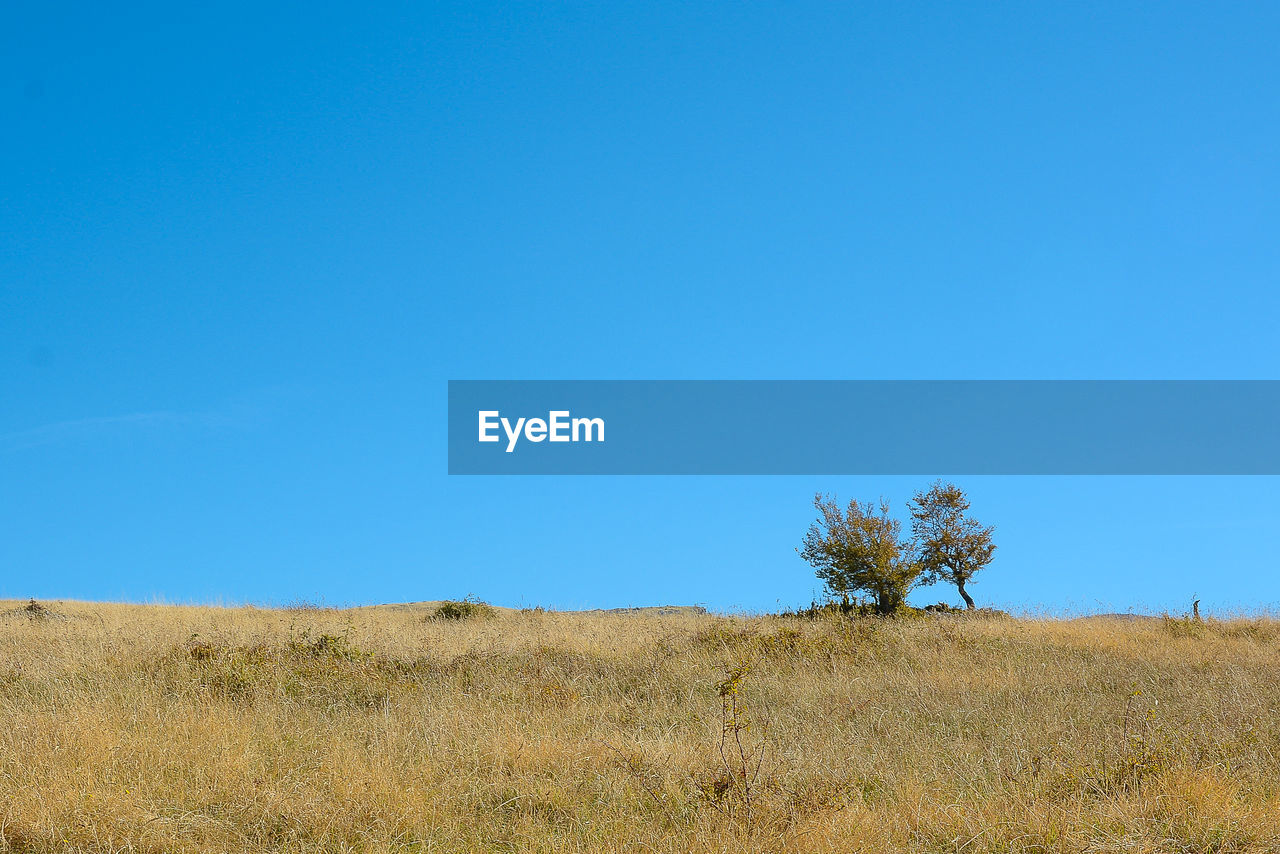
<point x="82" y="428"/>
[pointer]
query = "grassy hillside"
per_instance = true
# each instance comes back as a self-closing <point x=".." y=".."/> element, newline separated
<point x="132" y="728"/>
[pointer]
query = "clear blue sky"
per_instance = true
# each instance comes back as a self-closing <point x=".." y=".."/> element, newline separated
<point x="243" y="247"/>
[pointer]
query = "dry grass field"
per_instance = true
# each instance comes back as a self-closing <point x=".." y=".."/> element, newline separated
<point x="173" y="729"/>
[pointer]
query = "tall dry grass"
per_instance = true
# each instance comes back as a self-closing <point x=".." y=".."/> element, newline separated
<point x="167" y="729"/>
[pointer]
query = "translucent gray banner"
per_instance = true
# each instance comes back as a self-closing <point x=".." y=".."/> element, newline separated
<point x="864" y="427"/>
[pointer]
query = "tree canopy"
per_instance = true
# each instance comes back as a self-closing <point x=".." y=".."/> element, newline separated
<point x="857" y="549"/>
<point x="951" y="545"/>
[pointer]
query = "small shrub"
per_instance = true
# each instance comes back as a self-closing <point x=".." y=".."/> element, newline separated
<point x="327" y="646"/>
<point x="35" y="610"/>
<point x="467" y="609"/>
<point x="845" y="606"/>
<point x="1183" y="627"/>
<point x="1145" y="747"/>
<point x="734" y="789"/>
<point x="201" y="650"/>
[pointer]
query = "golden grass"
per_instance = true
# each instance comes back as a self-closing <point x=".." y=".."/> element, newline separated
<point x="168" y="729"/>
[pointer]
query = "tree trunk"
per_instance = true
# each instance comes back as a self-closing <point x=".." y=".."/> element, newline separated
<point x="968" y="600"/>
<point x="887" y="603"/>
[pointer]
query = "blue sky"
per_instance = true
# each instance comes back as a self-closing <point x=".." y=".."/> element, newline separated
<point x="242" y="249"/>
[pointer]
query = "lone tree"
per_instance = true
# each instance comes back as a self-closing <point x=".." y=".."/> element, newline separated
<point x="858" y="549"/>
<point x="952" y="545"/>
